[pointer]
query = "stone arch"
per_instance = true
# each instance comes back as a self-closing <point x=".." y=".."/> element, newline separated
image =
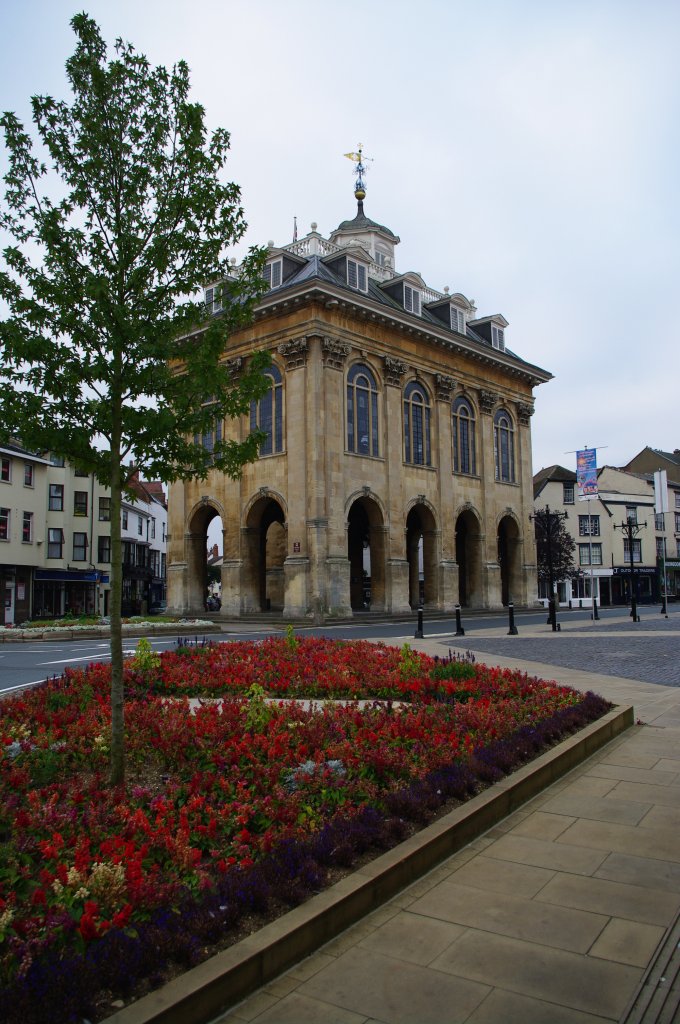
<point x="509" y="556"/>
<point x="265" y="548"/>
<point x="196" y="546"/>
<point x="366" y="551"/>
<point x="421" y="553"/>
<point x="468" y="533"/>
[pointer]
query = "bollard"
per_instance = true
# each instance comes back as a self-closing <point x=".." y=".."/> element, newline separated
<point x="459" y="627"/>
<point x="512" y="631"/>
<point x="418" y="635"/>
<point x="664" y="609"/>
<point x="595" y="616"/>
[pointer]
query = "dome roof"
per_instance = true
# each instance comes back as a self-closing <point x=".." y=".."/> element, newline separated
<point x="362" y="223"/>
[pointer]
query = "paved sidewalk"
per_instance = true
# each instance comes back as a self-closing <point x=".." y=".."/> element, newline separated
<point x="561" y="914"/>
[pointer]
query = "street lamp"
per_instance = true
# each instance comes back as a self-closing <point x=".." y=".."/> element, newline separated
<point x="549" y="521"/>
<point x="630" y="528"/>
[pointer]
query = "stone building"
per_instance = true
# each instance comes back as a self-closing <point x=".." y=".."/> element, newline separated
<point x="397" y="465"/>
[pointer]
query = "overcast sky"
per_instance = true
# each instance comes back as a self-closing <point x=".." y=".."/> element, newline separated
<point x="525" y="152"/>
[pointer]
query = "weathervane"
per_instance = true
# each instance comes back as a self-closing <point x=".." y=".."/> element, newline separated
<point x="360" y="169"/>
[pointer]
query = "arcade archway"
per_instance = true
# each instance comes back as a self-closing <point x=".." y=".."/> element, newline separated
<point x="509" y="559"/>
<point x="469" y="559"/>
<point x="421" y="554"/>
<point x="197" y="553"/>
<point x="366" y="553"/>
<point x="266" y="544"/>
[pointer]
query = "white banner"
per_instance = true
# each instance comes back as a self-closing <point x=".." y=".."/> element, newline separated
<point x="660" y="491"/>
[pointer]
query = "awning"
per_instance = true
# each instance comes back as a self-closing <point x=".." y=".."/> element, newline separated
<point x="70" y="576"/>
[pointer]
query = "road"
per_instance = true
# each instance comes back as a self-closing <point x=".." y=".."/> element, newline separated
<point x="28" y="664"/>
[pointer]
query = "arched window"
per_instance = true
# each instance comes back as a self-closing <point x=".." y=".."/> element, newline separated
<point x="464" y="454"/>
<point x="267" y="414"/>
<point x="417" y="425"/>
<point x="362" y="411"/>
<point x="504" y="447"/>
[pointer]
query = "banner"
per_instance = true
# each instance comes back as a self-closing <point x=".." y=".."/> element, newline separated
<point x="586" y="474"/>
<point x="660" y="491"/>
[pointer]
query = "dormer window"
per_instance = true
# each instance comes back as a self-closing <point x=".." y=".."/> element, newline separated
<point x="273" y="273"/>
<point x="457" y="319"/>
<point x="411" y="300"/>
<point x="498" y="337"/>
<point x="213" y="300"/>
<point x="357" y="276"/>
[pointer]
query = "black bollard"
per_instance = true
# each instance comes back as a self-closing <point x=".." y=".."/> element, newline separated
<point x="595" y="616"/>
<point x="512" y="631"/>
<point x="459" y="627"/>
<point x="664" y="609"/>
<point x="418" y="635"/>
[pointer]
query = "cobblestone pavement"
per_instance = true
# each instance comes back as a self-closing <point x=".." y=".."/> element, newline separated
<point x="649" y="653"/>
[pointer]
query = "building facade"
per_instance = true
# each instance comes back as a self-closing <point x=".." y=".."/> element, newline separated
<point x="23" y="502"/>
<point x="55" y="540"/>
<point x="602" y="559"/>
<point x="397" y="462"/>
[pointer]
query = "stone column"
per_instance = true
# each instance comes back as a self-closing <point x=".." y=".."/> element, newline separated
<point x="397" y="571"/>
<point x="336" y="571"/>
<point x="447" y="589"/>
<point x="527" y="553"/>
<point x="301" y="449"/>
<point x="491" y="581"/>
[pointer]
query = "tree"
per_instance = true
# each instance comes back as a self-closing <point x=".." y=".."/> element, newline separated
<point x="554" y="547"/>
<point x="115" y="226"/>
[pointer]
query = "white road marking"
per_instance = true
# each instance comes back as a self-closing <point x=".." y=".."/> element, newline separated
<point x="22" y="686"/>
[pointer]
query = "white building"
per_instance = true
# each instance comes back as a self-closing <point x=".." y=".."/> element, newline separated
<point x="55" y="540"/>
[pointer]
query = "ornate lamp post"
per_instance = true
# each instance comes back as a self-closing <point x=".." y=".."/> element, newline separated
<point x="548" y="522"/>
<point x="630" y="529"/>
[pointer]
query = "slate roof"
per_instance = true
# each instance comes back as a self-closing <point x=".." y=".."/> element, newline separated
<point x="315" y="268"/>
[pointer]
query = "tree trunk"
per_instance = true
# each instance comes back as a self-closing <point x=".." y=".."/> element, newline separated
<point x="117" y="695"/>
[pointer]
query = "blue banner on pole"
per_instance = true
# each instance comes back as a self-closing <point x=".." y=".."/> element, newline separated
<point x="586" y="473"/>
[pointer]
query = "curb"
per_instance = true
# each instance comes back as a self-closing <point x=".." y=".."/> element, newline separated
<point x="130" y="631"/>
<point x="225" y="979"/>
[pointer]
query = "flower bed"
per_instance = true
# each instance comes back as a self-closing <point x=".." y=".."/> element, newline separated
<point x="230" y="805"/>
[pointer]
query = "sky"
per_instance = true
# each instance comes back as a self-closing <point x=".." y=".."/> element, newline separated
<point x="526" y="153"/>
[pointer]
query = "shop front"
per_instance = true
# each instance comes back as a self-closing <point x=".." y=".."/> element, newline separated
<point x="645" y="583"/>
<point x="58" y="592"/>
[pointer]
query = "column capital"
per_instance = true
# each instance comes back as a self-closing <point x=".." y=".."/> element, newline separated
<point x="294" y="353"/>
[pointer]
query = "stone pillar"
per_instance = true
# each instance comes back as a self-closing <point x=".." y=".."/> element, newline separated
<point x="300" y="450"/>
<point x="296" y="574"/>
<point x="397" y="586"/>
<point x="527" y="554"/>
<point x="448" y="584"/>
<point x="231" y="588"/>
<point x="178" y="600"/>
<point x="397" y="577"/>
<point x="337" y="587"/>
